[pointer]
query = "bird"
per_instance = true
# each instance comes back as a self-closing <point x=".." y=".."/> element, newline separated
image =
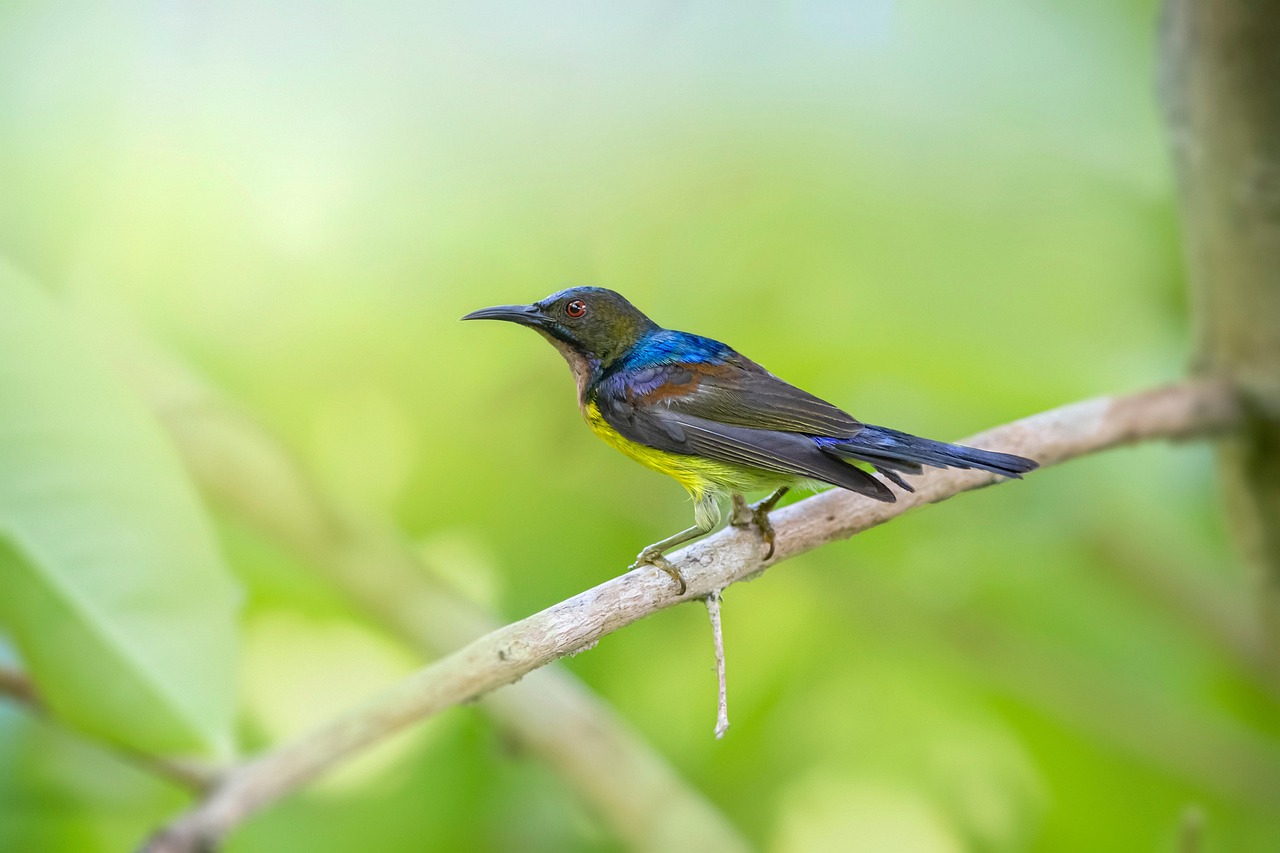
<point x="717" y="422"/>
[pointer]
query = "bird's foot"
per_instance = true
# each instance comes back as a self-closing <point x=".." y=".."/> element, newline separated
<point x="757" y="515"/>
<point x="652" y="556"/>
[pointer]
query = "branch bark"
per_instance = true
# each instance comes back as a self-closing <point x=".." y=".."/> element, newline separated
<point x="1194" y="409"/>
<point x="1221" y="91"/>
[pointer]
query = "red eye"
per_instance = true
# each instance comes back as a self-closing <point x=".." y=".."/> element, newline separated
<point x="576" y="308"/>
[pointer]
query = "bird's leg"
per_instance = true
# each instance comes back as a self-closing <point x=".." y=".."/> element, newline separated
<point x="706" y="515"/>
<point x="653" y="555"/>
<point x="757" y="515"/>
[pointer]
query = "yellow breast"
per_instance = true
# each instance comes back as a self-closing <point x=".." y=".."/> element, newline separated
<point x="697" y="475"/>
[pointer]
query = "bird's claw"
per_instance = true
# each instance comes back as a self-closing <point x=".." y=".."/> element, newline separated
<point x="757" y="515"/>
<point x="652" y="556"/>
<point x="759" y="519"/>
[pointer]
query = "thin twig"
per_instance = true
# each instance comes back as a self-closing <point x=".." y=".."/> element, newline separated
<point x="192" y="775"/>
<point x="1192" y="409"/>
<point x="717" y="638"/>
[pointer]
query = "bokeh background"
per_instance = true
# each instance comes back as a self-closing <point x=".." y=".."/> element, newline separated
<point x="944" y="216"/>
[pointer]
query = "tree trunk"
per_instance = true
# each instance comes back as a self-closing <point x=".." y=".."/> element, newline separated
<point x="1220" y="78"/>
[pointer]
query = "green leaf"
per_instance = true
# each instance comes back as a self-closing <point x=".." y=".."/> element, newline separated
<point x="110" y="580"/>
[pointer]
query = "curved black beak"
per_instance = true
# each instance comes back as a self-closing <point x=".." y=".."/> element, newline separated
<point x="525" y="315"/>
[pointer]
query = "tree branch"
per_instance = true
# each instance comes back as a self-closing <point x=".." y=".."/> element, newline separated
<point x="1208" y="751"/>
<point x="1162" y="577"/>
<point x="189" y="774"/>
<point x="1194" y="409"/>
<point x="553" y="715"/>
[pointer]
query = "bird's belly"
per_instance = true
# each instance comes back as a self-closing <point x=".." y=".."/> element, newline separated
<point x="697" y="474"/>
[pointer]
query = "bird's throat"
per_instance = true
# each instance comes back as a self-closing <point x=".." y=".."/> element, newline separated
<point x="583" y="367"/>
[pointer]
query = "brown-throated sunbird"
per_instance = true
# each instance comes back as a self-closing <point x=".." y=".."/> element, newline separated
<point x="720" y="424"/>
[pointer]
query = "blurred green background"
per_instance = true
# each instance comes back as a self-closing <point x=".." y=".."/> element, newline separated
<point x="943" y="216"/>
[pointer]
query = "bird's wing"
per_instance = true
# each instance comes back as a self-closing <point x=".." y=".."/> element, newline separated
<point x="736" y="391"/>
<point x="672" y="430"/>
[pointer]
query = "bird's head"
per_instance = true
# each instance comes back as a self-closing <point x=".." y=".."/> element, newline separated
<point x="587" y="324"/>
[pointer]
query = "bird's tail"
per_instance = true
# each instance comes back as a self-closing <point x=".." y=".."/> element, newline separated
<point x="893" y="453"/>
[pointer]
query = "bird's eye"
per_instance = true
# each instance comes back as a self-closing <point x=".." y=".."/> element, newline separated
<point x="575" y="308"/>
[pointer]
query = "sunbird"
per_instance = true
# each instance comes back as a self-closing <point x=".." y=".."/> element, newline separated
<point x="699" y="411"/>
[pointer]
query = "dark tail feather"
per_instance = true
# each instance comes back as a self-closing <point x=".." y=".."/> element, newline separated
<point x="892" y="452"/>
<point x="893" y="477"/>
